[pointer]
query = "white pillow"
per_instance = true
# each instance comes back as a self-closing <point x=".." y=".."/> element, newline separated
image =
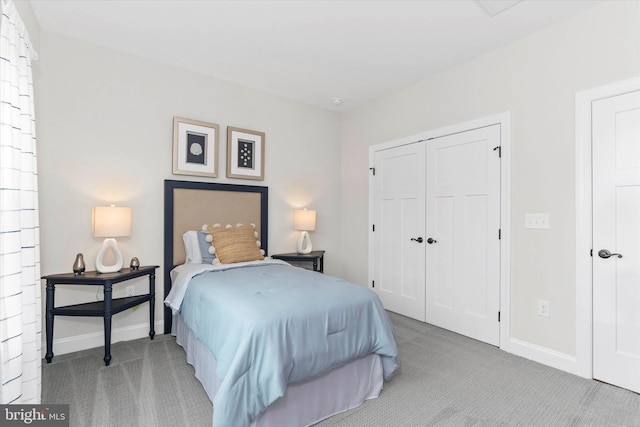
<point x="192" y="247"/>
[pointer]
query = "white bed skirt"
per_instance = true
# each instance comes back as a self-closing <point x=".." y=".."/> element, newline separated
<point x="304" y="403"/>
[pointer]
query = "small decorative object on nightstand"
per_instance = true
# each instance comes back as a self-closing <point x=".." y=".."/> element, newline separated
<point x="311" y="261"/>
<point x="78" y="265"/>
<point x="135" y="263"/>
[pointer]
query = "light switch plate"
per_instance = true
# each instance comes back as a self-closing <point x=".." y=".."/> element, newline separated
<point x="539" y="221"/>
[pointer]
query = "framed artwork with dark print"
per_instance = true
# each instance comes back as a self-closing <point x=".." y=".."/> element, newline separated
<point x="245" y="154"/>
<point x="195" y="147"/>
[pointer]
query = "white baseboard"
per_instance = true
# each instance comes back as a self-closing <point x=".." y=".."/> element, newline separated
<point x="546" y="356"/>
<point x="96" y="339"/>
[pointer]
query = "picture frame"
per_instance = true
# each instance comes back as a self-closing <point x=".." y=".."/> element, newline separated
<point x="195" y="147"/>
<point x="245" y="154"/>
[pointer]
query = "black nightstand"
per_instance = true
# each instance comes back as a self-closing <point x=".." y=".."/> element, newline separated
<point x="311" y="261"/>
<point x="104" y="309"/>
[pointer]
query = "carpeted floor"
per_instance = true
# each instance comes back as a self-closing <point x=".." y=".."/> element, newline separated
<point x="445" y="380"/>
<point x="148" y="383"/>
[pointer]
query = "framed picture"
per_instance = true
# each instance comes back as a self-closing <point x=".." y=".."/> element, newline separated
<point x="195" y="147"/>
<point x="245" y="154"/>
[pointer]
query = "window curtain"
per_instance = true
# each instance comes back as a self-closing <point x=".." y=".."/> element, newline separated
<point x="20" y="288"/>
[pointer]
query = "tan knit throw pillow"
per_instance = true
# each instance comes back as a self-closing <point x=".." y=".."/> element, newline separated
<point x="235" y="244"/>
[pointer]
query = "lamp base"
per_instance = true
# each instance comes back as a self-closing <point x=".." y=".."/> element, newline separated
<point x="304" y="243"/>
<point x="109" y="243"/>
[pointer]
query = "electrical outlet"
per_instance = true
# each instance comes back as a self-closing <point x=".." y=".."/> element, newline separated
<point x="130" y="290"/>
<point x="543" y="308"/>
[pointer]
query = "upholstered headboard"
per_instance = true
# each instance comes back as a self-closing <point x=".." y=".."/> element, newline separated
<point x="188" y="205"/>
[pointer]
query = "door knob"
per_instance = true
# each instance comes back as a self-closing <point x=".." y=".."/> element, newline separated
<point x="419" y="239"/>
<point x="430" y="240"/>
<point x="604" y="253"/>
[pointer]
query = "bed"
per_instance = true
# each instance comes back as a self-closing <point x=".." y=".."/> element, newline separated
<point x="272" y="344"/>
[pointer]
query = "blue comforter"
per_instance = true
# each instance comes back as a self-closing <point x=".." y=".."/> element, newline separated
<point x="272" y="325"/>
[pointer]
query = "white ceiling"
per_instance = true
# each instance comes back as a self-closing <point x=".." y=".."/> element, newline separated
<point x="307" y="51"/>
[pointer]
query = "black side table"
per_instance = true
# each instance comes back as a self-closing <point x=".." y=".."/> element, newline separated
<point x="104" y="309"/>
<point x="316" y="258"/>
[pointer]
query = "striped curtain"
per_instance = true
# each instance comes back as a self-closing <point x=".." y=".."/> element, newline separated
<point x="20" y="288"/>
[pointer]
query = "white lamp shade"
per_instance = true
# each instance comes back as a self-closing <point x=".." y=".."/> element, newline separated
<point x="304" y="220"/>
<point x="111" y="221"/>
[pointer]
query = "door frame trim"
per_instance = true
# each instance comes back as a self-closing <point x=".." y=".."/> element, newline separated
<point x="504" y="120"/>
<point x="584" y="218"/>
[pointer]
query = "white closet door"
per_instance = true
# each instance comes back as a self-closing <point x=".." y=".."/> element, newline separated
<point x="463" y="221"/>
<point x="398" y="269"/>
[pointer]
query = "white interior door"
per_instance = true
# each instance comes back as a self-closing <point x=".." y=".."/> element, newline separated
<point x="398" y="217"/>
<point x="463" y="222"/>
<point x="616" y="228"/>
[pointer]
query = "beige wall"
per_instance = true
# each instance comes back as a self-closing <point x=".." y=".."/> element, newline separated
<point x="536" y="79"/>
<point x="104" y="135"/>
<point x="104" y="122"/>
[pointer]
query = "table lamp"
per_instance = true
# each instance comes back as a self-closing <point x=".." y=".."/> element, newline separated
<point x="110" y="222"/>
<point x="304" y="220"/>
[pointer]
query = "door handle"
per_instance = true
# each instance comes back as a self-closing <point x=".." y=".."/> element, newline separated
<point x="604" y="253"/>
<point x="430" y="240"/>
<point x="419" y="239"/>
